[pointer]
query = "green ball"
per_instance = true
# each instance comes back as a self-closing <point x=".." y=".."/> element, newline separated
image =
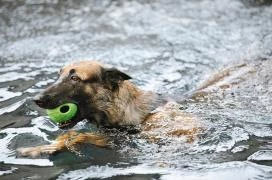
<point x="63" y="113"/>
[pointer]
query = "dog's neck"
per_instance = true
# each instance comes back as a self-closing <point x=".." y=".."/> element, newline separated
<point x="131" y="105"/>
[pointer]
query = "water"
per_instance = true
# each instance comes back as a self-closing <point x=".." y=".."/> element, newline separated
<point x="169" y="47"/>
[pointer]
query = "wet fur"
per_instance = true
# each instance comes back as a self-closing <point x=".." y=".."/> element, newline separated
<point x="105" y="96"/>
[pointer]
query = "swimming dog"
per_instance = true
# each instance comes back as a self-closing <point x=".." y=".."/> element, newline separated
<point x="106" y="96"/>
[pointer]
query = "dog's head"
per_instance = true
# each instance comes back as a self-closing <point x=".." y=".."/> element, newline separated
<point x="88" y="84"/>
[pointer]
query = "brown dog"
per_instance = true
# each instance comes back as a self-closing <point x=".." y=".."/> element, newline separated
<point x="105" y="96"/>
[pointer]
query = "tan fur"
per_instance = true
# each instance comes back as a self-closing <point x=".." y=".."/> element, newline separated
<point x="129" y="105"/>
<point x="170" y="121"/>
<point x="67" y="141"/>
<point x="84" y="69"/>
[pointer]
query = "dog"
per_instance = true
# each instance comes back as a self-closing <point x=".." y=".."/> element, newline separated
<point x="106" y="97"/>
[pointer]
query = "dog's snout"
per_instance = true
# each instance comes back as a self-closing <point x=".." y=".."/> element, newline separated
<point x="41" y="100"/>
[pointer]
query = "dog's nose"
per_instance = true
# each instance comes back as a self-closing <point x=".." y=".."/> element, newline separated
<point x="41" y="100"/>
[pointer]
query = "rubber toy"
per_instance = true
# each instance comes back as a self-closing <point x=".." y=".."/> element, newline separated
<point x="63" y="113"/>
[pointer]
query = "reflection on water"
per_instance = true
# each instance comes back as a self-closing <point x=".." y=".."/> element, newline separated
<point x="169" y="47"/>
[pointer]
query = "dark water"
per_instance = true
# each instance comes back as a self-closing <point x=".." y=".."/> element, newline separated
<point x="169" y="47"/>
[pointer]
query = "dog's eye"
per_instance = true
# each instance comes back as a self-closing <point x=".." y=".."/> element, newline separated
<point x="75" y="78"/>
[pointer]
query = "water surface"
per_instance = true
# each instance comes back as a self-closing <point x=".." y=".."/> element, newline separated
<point x="169" y="47"/>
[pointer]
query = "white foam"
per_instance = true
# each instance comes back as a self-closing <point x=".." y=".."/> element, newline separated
<point x="44" y="83"/>
<point x="12" y="76"/>
<point x="5" y="94"/>
<point x="236" y="134"/>
<point x="262" y="155"/>
<point x="107" y="171"/>
<point x="224" y="171"/>
<point x="8" y="156"/>
<point x="8" y="171"/>
<point x="240" y="148"/>
<point x="12" y="107"/>
<point x="42" y="122"/>
<point x="236" y="172"/>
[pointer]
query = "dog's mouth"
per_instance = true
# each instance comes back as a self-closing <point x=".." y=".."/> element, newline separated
<point x="71" y="123"/>
<point x="66" y="125"/>
<point x="58" y="113"/>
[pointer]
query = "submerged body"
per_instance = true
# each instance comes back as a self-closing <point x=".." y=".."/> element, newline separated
<point x="106" y="97"/>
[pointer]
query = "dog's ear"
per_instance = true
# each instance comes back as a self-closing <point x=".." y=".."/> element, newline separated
<point x="112" y="77"/>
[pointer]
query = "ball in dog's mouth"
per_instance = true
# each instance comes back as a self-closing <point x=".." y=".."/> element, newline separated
<point x="63" y="114"/>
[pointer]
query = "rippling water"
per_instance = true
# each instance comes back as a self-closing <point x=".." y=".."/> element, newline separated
<point x="169" y="47"/>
